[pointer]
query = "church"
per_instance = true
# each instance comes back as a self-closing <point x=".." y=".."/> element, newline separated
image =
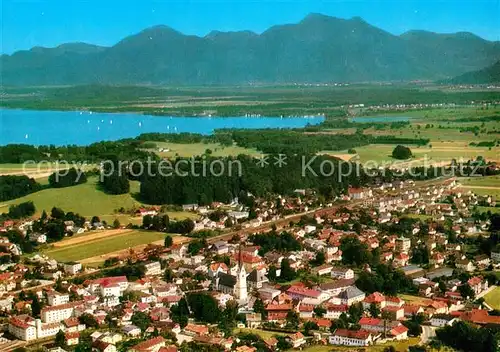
<point x="235" y="285"/>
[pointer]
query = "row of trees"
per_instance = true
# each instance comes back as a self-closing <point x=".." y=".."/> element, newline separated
<point x="67" y="178"/>
<point x="468" y="338"/>
<point x="275" y="141"/>
<point x="12" y="187"/>
<point x="125" y="149"/>
<point x="19" y="211"/>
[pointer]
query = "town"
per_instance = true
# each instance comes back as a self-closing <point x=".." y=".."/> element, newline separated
<point x="397" y="264"/>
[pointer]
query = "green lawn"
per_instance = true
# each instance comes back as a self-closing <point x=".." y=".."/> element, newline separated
<point x="413" y="299"/>
<point x="484" y="186"/>
<point x="487" y="209"/>
<point x="400" y="346"/>
<point x="104" y="246"/>
<point x="493" y="298"/>
<point x="196" y="149"/>
<point x="488" y="181"/>
<point x="262" y="333"/>
<point x="86" y="199"/>
<point x="440" y="152"/>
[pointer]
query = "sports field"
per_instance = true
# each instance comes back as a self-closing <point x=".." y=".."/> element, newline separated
<point x="400" y="346"/>
<point x="492" y="298"/>
<point x="101" y="243"/>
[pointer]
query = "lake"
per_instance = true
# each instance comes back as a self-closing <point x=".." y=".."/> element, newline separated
<point x="82" y="128"/>
<point x="387" y="119"/>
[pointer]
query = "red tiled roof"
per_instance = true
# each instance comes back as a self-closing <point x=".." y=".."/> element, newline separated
<point x="247" y="258"/>
<point x="353" y="190"/>
<point x="375" y="297"/>
<point x="197" y="329"/>
<point x="72" y="335"/>
<point x="353" y="334"/>
<point x="276" y="315"/>
<point x="62" y="306"/>
<point x="411" y="308"/>
<point x="391" y="309"/>
<point x="71" y="322"/>
<point x="278" y="307"/>
<point x="398" y="330"/>
<point x="109" y="281"/>
<point x="474" y="281"/>
<point x="145" y="345"/>
<point x="323" y="323"/>
<point x="393" y="299"/>
<point x="168" y="349"/>
<point x="303" y="292"/>
<point x="21" y="322"/>
<point x="297" y="336"/>
<point x="480" y="316"/>
<point x="306" y="308"/>
<point x="337" y="307"/>
<point x="369" y="321"/>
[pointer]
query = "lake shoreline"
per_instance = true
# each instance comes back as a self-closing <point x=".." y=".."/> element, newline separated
<point x="45" y="127"/>
<point x="158" y="114"/>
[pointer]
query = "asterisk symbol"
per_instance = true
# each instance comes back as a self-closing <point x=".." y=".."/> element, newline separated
<point x="262" y="161"/>
<point x="280" y="160"/>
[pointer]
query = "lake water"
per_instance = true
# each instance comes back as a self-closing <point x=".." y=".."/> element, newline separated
<point x="387" y="119"/>
<point x="82" y="128"/>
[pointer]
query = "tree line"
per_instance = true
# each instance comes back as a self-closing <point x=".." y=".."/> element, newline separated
<point x="13" y="186"/>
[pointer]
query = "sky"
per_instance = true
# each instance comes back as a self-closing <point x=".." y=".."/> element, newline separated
<point x="29" y="23"/>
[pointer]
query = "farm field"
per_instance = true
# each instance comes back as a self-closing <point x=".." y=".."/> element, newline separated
<point x="40" y="171"/>
<point x="88" y="200"/>
<point x="262" y="333"/>
<point x="101" y="246"/>
<point x="439" y="153"/>
<point x="85" y="199"/>
<point x="196" y="149"/>
<point x="489" y="185"/>
<point x="489" y="209"/>
<point x="493" y="298"/>
<point x="438" y="114"/>
<point x="400" y="346"/>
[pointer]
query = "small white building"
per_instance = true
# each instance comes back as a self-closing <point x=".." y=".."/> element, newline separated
<point x="441" y="320"/>
<point x="72" y="268"/>
<point x="346" y="337"/>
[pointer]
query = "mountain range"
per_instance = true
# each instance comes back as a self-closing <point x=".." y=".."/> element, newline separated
<point x="490" y="74"/>
<point x="317" y="49"/>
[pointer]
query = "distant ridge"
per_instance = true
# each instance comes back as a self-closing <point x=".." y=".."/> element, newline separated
<point x="487" y="75"/>
<point x="318" y="49"/>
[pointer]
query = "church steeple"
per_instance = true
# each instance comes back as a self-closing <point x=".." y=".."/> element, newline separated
<point x="240" y="289"/>
<point x="239" y="258"/>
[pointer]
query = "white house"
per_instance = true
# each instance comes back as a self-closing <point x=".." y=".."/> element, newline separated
<point x="342" y="273"/>
<point x="441" y="320"/>
<point x="55" y="298"/>
<point x="72" y="268"/>
<point x="351" y="337"/>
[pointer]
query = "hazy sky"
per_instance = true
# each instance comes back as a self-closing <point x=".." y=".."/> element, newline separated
<point x="28" y="23"/>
